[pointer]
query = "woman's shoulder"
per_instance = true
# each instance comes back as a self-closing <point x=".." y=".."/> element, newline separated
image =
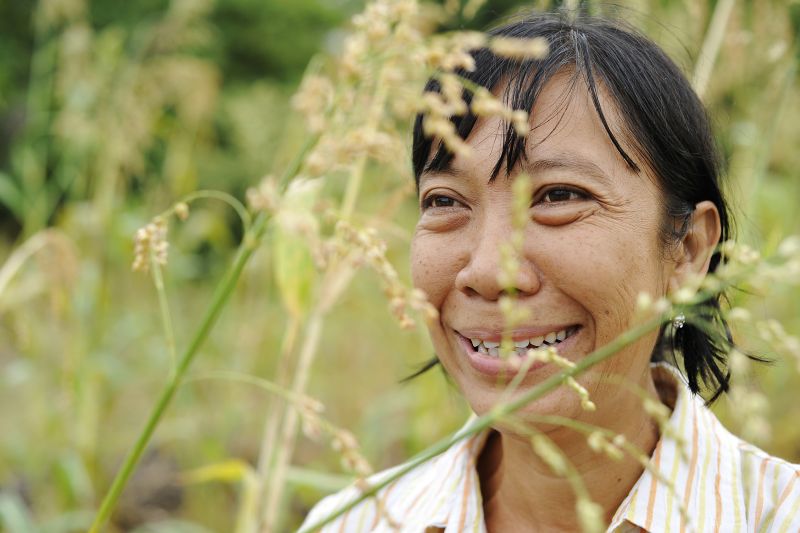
<point x="705" y="474"/>
<point x="771" y="488"/>
<point x="768" y="486"/>
<point x="757" y="488"/>
<point x="410" y="498"/>
<point x="364" y="515"/>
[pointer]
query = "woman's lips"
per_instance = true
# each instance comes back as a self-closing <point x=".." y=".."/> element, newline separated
<point x="497" y="367"/>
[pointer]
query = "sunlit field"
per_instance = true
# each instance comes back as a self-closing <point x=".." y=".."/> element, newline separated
<point x="205" y="215"/>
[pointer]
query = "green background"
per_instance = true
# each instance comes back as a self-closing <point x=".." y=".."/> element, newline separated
<point x="111" y="111"/>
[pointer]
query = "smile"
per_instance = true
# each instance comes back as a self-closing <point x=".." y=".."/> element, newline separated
<point x="521" y="346"/>
<point x="482" y="347"/>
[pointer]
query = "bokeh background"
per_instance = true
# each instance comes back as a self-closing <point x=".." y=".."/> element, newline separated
<point x="112" y="111"/>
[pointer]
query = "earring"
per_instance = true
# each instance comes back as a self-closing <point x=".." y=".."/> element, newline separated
<point x="679" y="321"/>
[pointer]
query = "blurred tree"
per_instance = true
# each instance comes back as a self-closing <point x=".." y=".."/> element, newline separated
<point x="16" y="44"/>
<point x="246" y="41"/>
<point x="273" y="39"/>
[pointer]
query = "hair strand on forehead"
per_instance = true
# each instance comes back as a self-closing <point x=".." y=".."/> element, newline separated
<point x="582" y="50"/>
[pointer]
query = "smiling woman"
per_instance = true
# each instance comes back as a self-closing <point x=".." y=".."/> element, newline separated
<point x="625" y="200"/>
<point x="577" y="275"/>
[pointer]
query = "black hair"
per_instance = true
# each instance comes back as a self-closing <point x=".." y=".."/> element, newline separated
<point x="663" y="123"/>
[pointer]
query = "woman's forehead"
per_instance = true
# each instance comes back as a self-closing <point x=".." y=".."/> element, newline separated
<point x="566" y="133"/>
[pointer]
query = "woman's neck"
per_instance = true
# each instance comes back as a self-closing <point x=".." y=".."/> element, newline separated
<point x="521" y="493"/>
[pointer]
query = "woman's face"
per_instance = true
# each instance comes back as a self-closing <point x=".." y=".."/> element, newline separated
<point x="591" y="244"/>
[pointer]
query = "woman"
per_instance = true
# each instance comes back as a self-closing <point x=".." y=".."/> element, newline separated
<point x="626" y="200"/>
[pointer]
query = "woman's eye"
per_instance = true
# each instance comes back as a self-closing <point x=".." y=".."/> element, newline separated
<point x="438" y="200"/>
<point x="562" y="195"/>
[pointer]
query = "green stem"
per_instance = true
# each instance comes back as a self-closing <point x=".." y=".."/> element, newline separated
<point x="166" y="320"/>
<point x="297" y="163"/>
<point x="503" y="410"/>
<point x="221" y="295"/>
<point x="261" y="383"/>
<point x="222" y="196"/>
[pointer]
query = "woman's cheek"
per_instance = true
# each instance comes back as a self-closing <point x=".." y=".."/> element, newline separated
<point x="597" y="272"/>
<point x="429" y="266"/>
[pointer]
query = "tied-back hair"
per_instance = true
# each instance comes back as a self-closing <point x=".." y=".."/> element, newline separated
<point x="661" y="126"/>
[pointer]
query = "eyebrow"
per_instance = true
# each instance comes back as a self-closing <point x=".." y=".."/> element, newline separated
<point x="572" y="163"/>
<point x="447" y="171"/>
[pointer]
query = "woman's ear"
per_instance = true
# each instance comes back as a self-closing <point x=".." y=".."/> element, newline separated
<point x="697" y="247"/>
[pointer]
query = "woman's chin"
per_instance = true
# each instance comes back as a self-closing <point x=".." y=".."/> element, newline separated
<point x="557" y="403"/>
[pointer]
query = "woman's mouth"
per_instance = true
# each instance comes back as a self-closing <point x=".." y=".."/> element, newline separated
<point x="483" y="349"/>
<point x="521" y="347"/>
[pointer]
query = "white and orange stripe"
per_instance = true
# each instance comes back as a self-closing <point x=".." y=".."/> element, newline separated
<point x="709" y="481"/>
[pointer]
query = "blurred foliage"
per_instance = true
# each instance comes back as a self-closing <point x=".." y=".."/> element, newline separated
<point x="111" y="111"/>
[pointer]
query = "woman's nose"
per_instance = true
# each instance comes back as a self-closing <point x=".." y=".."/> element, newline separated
<point x="481" y="275"/>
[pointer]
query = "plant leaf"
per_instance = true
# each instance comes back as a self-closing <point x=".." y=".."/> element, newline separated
<point x="296" y="231"/>
<point x="11" y="196"/>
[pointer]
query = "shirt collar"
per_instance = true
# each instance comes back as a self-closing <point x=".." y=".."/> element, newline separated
<point x="463" y="505"/>
<point x="694" y="457"/>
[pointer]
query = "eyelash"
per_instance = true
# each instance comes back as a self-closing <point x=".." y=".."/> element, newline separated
<point x="428" y="201"/>
<point x="574" y="194"/>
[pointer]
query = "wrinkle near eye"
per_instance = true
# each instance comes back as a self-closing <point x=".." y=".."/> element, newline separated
<point x="561" y="215"/>
<point x="442" y="219"/>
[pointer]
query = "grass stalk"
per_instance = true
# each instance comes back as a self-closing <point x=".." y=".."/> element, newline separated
<point x="221" y="295"/>
<point x="223" y="197"/>
<point x="289" y="430"/>
<point x="272" y="422"/>
<point x="763" y="151"/>
<point x="281" y="378"/>
<point x="571" y="474"/>
<point x="223" y="291"/>
<point x="500" y="411"/>
<point x="373" y="119"/>
<point x="642" y="457"/>
<point x="711" y="45"/>
<point x="240" y="377"/>
<point x="277" y="461"/>
<point x="505" y="409"/>
<point x="166" y="316"/>
<point x="19" y="257"/>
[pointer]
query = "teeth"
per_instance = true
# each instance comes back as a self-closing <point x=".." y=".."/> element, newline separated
<point x="521" y="346"/>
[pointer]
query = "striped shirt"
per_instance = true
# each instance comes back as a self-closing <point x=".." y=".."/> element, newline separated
<point x="707" y="480"/>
